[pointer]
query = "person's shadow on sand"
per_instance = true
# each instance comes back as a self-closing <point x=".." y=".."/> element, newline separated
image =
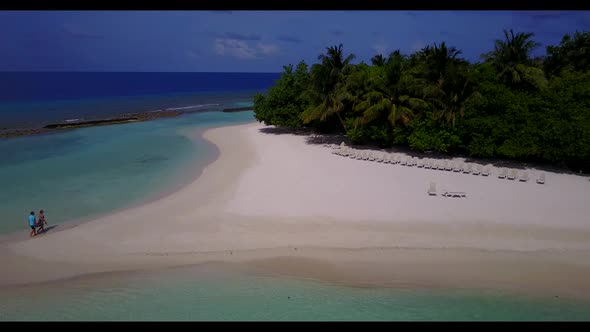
<point x="47" y="229"/>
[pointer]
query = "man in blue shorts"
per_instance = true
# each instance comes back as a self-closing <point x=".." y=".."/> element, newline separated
<point x="32" y="224"/>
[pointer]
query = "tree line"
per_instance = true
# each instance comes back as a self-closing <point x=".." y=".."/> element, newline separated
<point x="509" y="105"/>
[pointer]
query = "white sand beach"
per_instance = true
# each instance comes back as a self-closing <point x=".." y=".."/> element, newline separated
<point x="277" y="203"/>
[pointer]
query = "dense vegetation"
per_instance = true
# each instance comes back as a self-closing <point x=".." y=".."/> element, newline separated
<point x="510" y="105"/>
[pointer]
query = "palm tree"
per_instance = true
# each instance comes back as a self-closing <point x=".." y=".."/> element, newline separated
<point x="573" y="52"/>
<point x="378" y="60"/>
<point x="511" y="58"/>
<point x="391" y="98"/>
<point x="336" y="63"/>
<point x="396" y="56"/>
<point x="439" y="59"/>
<point x="328" y="92"/>
<point x="450" y="98"/>
<point x="446" y="86"/>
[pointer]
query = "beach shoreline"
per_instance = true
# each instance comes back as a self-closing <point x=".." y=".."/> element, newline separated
<point x="255" y="205"/>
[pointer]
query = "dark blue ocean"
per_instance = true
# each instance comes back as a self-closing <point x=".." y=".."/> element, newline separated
<point x="30" y="99"/>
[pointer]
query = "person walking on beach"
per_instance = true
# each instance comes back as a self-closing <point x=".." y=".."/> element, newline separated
<point x="42" y="222"/>
<point x="32" y="224"/>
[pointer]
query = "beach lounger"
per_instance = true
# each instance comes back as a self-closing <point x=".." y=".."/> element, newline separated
<point x="426" y="163"/>
<point x="458" y="167"/>
<point x="448" y="166"/>
<point x="541" y="179"/>
<point x="513" y="174"/>
<point x="332" y="146"/>
<point x="432" y="189"/>
<point x="365" y="155"/>
<point x="441" y="165"/>
<point x="454" y="194"/>
<point x="445" y="166"/>
<point x="486" y="171"/>
<point x="467" y="168"/>
<point x="379" y="157"/>
<point x="480" y="169"/>
<point x="476" y="170"/>
<point x="371" y="156"/>
<point x="524" y="177"/>
<point x="503" y="173"/>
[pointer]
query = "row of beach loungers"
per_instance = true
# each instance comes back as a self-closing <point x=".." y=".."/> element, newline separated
<point x="523" y="177"/>
<point x="434" y="164"/>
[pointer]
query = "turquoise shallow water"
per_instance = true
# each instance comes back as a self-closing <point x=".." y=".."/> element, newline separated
<point x="216" y="293"/>
<point x="83" y="173"/>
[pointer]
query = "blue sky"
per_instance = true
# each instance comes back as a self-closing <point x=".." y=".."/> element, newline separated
<point x="251" y="41"/>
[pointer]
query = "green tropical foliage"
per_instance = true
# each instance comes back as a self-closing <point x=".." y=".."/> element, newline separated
<point x="510" y="106"/>
<point x="328" y="93"/>
<point x="513" y="62"/>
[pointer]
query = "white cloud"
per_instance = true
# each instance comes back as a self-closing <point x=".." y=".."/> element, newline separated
<point x="380" y="48"/>
<point x="268" y="49"/>
<point x="233" y="47"/>
<point x="242" y="50"/>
